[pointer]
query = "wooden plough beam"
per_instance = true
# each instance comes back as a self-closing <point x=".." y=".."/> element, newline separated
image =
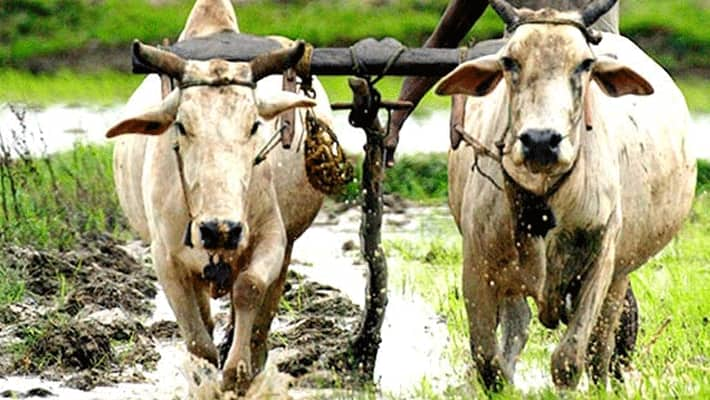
<point x="365" y="58"/>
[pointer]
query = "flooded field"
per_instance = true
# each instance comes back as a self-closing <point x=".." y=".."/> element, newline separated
<point x="116" y="309"/>
<point x="62" y="126"/>
<point x="328" y="279"/>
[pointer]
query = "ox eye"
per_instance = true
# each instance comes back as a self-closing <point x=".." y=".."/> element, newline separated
<point x="584" y="66"/>
<point x="509" y="64"/>
<point x="255" y="128"/>
<point x="180" y="128"/>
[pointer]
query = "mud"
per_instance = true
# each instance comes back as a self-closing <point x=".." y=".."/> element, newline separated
<point x="98" y="273"/>
<point x="82" y="321"/>
<point x="312" y="333"/>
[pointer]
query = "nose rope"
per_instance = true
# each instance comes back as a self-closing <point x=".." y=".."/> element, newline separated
<point x="480" y="149"/>
<point x="167" y="86"/>
<point x="183" y="182"/>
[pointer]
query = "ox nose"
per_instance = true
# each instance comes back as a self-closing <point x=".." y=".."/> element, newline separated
<point x="541" y="146"/>
<point x="220" y="234"/>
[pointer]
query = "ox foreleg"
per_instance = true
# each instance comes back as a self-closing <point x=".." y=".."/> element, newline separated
<point x="482" y="309"/>
<point x="268" y="310"/>
<point x="569" y="356"/>
<point x="602" y="344"/>
<point x="185" y="301"/>
<point x="202" y="297"/>
<point x="514" y="319"/>
<point x="248" y="294"/>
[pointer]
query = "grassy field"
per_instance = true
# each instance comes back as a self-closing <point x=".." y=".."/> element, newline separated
<point x="107" y="88"/>
<point x="59" y="32"/>
<point x="672" y="290"/>
<point x="54" y="201"/>
<point x="34" y="28"/>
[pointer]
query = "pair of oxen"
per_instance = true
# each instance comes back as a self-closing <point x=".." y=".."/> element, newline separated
<point x="593" y="176"/>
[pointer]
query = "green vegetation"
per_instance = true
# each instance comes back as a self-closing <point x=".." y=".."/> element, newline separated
<point x="703" y="184"/>
<point x="60" y="31"/>
<point x="54" y="201"/>
<point x="420" y="177"/>
<point x="671" y="290"/>
<point x="12" y="286"/>
<point x="697" y="93"/>
<point x="108" y="88"/>
<point x="41" y="27"/>
<point x="67" y="87"/>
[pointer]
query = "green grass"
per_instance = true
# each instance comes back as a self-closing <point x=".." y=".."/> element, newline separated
<point x="108" y="87"/>
<point x="39" y="27"/>
<point x="12" y="287"/>
<point x="420" y="177"/>
<point x="670" y="362"/>
<point x="697" y="93"/>
<point x="67" y="87"/>
<point x="703" y="184"/>
<point x="53" y="201"/>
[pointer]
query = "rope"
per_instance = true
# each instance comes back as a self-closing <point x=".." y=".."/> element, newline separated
<point x="303" y="68"/>
<point x="269" y="146"/>
<point x="249" y="84"/>
<point x="360" y="70"/>
<point x="390" y="62"/>
<point x="183" y="182"/>
<point x="591" y="35"/>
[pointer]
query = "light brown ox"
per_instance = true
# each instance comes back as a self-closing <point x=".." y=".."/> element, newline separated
<point x="597" y="176"/>
<point x="246" y="215"/>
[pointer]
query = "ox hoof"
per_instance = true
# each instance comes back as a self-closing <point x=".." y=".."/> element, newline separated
<point x="208" y="351"/>
<point x="566" y="368"/>
<point x="492" y="375"/>
<point x="237" y="379"/>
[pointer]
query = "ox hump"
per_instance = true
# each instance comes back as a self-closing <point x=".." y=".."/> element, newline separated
<point x="208" y="17"/>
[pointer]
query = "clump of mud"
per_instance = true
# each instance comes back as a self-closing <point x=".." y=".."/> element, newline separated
<point x="99" y="273"/>
<point x="80" y="319"/>
<point x="80" y="322"/>
<point x="311" y="335"/>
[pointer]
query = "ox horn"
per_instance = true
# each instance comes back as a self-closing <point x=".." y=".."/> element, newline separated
<point x="158" y="60"/>
<point x="595" y="10"/>
<point x="277" y="61"/>
<point x="507" y="13"/>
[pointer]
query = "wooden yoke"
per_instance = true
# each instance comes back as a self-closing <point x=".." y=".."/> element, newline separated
<point x="371" y="54"/>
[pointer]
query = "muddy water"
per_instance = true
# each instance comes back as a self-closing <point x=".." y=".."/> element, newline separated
<point x="62" y="126"/>
<point x="414" y="342"/>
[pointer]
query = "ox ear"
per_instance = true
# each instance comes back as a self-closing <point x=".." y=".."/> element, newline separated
<point x="475" y="78"/>
<point x="275" y="103"/>
<point x="616" y="79"/>
<point x="153" y="122"/>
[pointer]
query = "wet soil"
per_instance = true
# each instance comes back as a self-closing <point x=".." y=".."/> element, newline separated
<point x="312" y="334"/>
<point x="82" y="321"/>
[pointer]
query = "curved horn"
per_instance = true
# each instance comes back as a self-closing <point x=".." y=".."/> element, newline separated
<point x="158" y="60"/>
<point x="507" y="13"/>
<point x="595" y="10"/>
<point x="277" y="61"/>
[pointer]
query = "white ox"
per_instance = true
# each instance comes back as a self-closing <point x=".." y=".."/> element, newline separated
<point x="595" y="177"/>
<point x="223" y="208"/>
